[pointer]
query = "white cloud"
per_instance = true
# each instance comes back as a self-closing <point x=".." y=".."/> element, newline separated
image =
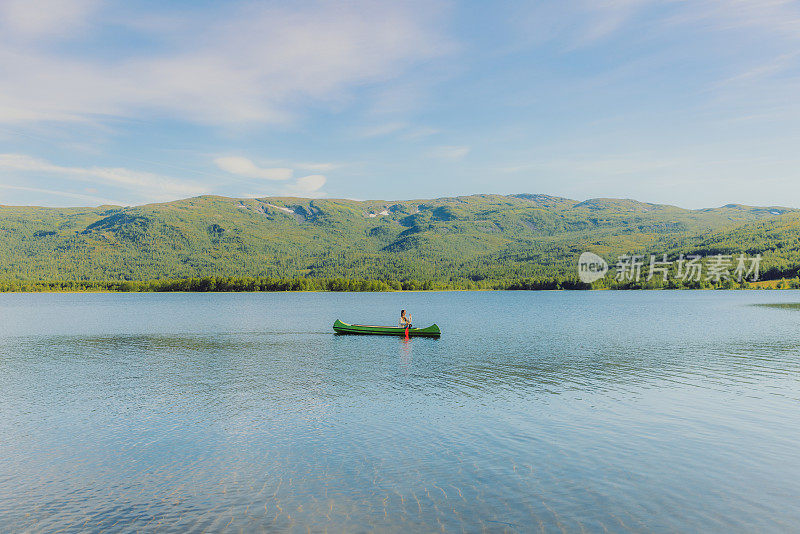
<point x="44" y="18"/>
<point x="320" y="167"/>
<point x="406" y="131"/>
<point x="306" y="187"/>
<point x="245" y="167"/>
<point x="65" y="194"/>
<point x="147" y="185"/>
<point x="453" y="153"/>
<point x="419" y="133"/>
<point x="311" y="183"/>
<point x="258" y="63"/>
<point x="773" y="17"/>
<point x="589" y="22"/>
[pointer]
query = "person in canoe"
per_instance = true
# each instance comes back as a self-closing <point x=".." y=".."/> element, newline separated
<point x="405" y="320"/>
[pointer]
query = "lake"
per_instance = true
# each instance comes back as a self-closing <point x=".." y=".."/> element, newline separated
<point x="535" y="411"/>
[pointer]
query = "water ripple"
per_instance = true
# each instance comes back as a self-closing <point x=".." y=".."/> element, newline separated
<point x="534" y="411"/>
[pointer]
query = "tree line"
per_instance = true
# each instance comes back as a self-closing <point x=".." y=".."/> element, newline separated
<point x="256" y="284"/>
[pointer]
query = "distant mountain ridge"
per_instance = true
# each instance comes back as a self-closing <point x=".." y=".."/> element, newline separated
<point x="477" y="237"/>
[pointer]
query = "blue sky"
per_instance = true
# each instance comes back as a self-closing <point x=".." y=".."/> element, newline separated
<point x="689" y="103"/>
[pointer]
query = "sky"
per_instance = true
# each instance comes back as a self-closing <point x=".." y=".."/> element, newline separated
<point x="693" y="103"/>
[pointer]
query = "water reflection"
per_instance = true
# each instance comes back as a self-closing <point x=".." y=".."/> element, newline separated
<point x="781" y="305"/>
<point x="405" y="352"/>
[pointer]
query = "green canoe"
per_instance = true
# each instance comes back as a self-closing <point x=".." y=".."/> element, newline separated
<point x="344" y="328"/>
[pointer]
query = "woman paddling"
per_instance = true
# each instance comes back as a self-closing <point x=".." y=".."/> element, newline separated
<point x="405" y="320"/>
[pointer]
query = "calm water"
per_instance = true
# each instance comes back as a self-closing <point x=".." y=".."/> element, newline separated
<point x="574" y="411"/>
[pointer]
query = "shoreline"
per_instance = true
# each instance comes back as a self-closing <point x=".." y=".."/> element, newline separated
<point x="438" y="290"/>
<point x="214" y="284"/>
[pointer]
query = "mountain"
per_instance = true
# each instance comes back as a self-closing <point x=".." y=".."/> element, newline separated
<point x="469" y="238"/>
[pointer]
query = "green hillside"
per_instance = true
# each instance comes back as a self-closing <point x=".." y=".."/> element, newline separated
<point x="472" y="238"/>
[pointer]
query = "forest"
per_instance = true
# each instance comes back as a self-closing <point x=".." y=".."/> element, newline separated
<point x="524" y="241"/>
